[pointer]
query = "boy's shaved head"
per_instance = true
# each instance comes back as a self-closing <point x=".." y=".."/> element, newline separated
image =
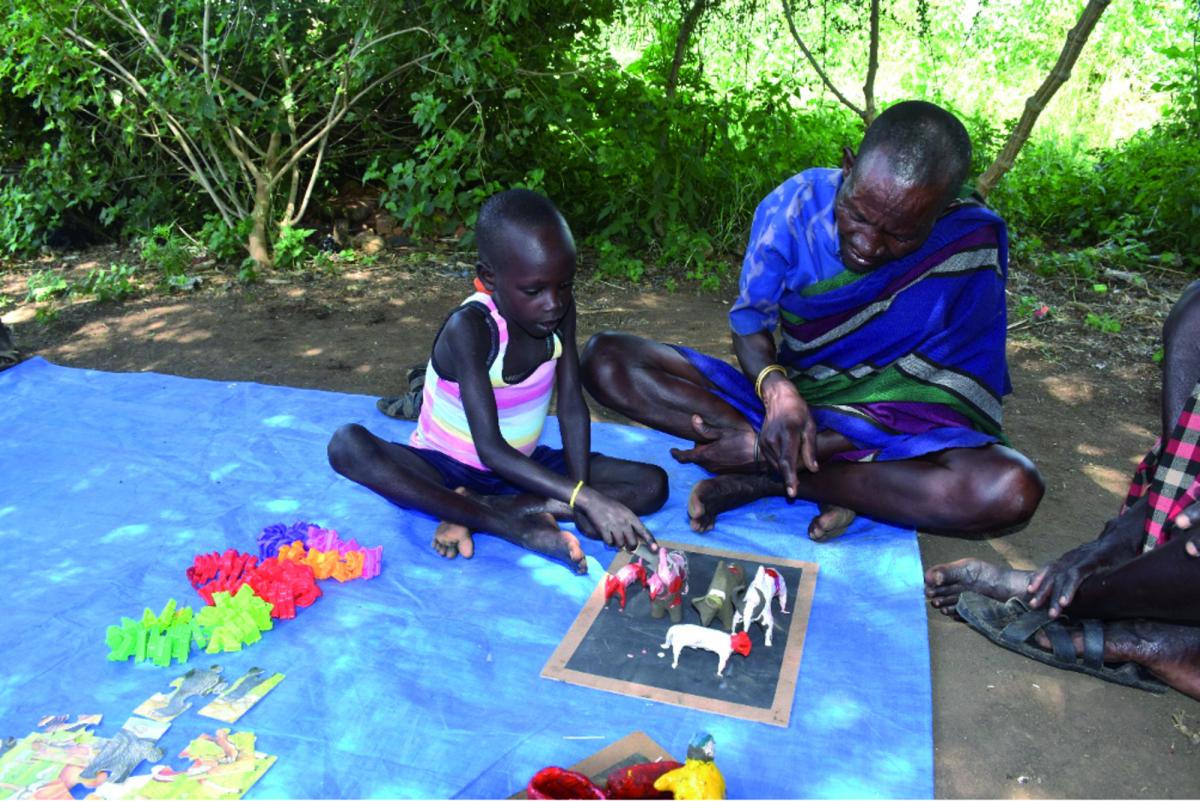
<point x="923" y="144"/>
<point x="513" y="211"/>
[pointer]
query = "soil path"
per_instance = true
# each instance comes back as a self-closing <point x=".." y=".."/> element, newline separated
<point x="1084" y="408"/>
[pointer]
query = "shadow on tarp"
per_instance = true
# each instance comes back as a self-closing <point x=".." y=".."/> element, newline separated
<point x="423" y="682"/>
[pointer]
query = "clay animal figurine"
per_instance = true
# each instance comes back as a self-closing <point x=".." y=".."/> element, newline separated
<point x="724" y="595"/>
<point x="555" y="782"/>
<point x="617" y="584"/>
<point x="767" y="585"/>
<point x="637" y="781"/>
<point x="721" y="643"/>
<point x="667" y="585"/>
<point x="699" y="777"/>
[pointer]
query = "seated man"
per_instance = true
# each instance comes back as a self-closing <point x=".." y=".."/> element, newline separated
<point x="1140" y="578"/>
<point x="884" y="395"/>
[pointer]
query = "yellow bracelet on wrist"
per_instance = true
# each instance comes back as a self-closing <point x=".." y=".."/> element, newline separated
<point x="575" y="494"/>
<point x="763" y="373"/>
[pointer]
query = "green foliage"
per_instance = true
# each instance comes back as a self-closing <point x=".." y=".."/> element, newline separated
<point x="112" y="283"/>
<point x="1132" y="208"/>
<point x="1102" y="322"/>
<point x="1031" y="307"/>
<point x="46" y="284"/>
<point x="223" y="241"/>
<point x="248" y="272"/>
<point x="291" y="247"/>
<point x="440" y="103"/>
<point x="165" y="249"/>
<point x="183" y="283"/>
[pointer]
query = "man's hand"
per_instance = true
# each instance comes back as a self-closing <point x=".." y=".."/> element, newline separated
<point x="789" y="435"/>
<point x="599" y="516"/>
<point x="1189" y="520"/>
<point x="1056" y="583"/>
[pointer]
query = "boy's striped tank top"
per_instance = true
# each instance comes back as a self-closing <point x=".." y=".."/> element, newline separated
<point x="521" y="406"/>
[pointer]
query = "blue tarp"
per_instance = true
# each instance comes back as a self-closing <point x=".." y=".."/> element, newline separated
<point x="425" y="681"/>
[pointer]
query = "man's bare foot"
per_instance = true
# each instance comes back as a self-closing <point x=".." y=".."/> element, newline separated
<point x="1170" y="651"/>
<point x="830" y="523"/>
<point x="944" y="583"/>
<point x="720" y="450"/>
<point x="451" y="539"/>
<point x="718" y="494"/>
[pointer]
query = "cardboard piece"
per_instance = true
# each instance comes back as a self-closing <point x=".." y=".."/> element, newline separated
<point x="632" y="749"/>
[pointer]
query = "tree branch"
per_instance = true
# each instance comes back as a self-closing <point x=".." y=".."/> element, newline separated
<point x="1037" y="102"/>
<point x="870" y="112"/>
<point x="845" y="101"/>
<point x="690" y="20"/>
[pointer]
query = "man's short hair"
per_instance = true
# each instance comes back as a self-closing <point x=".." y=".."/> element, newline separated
<point x="523" y="209"/>
<point x="924" y="144"/>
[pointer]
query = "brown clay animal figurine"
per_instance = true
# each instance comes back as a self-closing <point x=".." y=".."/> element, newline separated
<point x="724" y="595"/>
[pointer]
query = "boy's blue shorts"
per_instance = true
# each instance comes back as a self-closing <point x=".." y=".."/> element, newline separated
<point x="455" y="474"/>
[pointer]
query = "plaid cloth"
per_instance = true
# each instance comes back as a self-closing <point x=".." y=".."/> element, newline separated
<point x="1170" y="474"/>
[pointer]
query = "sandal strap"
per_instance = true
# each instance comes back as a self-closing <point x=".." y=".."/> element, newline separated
<point x="1093" y="643"/>
<point x="403" y="407"/>
<point x="1020" y="630"/>
<point x="1025" y="626"/>
<point x="1061" y="642"/>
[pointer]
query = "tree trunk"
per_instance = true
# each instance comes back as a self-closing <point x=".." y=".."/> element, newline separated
<point x="259" y="244"/>
<point x="686" y="28"/>
<point x="1037" y="102"/>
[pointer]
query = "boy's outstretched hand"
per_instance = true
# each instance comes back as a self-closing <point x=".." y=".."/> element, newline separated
<point x="603" y="518"/>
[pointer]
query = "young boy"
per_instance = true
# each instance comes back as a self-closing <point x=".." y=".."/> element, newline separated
<point x="473" y="459"/>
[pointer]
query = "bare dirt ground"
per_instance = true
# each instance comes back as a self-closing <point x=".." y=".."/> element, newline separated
<point x="1084" y="408"/>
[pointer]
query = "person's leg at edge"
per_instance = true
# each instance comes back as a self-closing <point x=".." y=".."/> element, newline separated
<point x="1151" y="612"/>
<point x="405" y="479"/>
<point x="1181" y="369"/>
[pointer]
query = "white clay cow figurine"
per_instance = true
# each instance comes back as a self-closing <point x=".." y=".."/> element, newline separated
<point x="767" y="585"/>
<point x="689" y="635"/>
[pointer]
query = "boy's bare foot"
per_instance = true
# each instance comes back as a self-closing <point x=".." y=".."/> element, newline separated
<point x="525" y="522"/>
<point x="1171" y="652"/>
<point x="451" y="539"/>
<point x="944" y="583"/>
<point x="539" y="532"/>
<point x="830" y="523"/>
<point x="721" y="493"/>
<point x="719" y="450"/>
